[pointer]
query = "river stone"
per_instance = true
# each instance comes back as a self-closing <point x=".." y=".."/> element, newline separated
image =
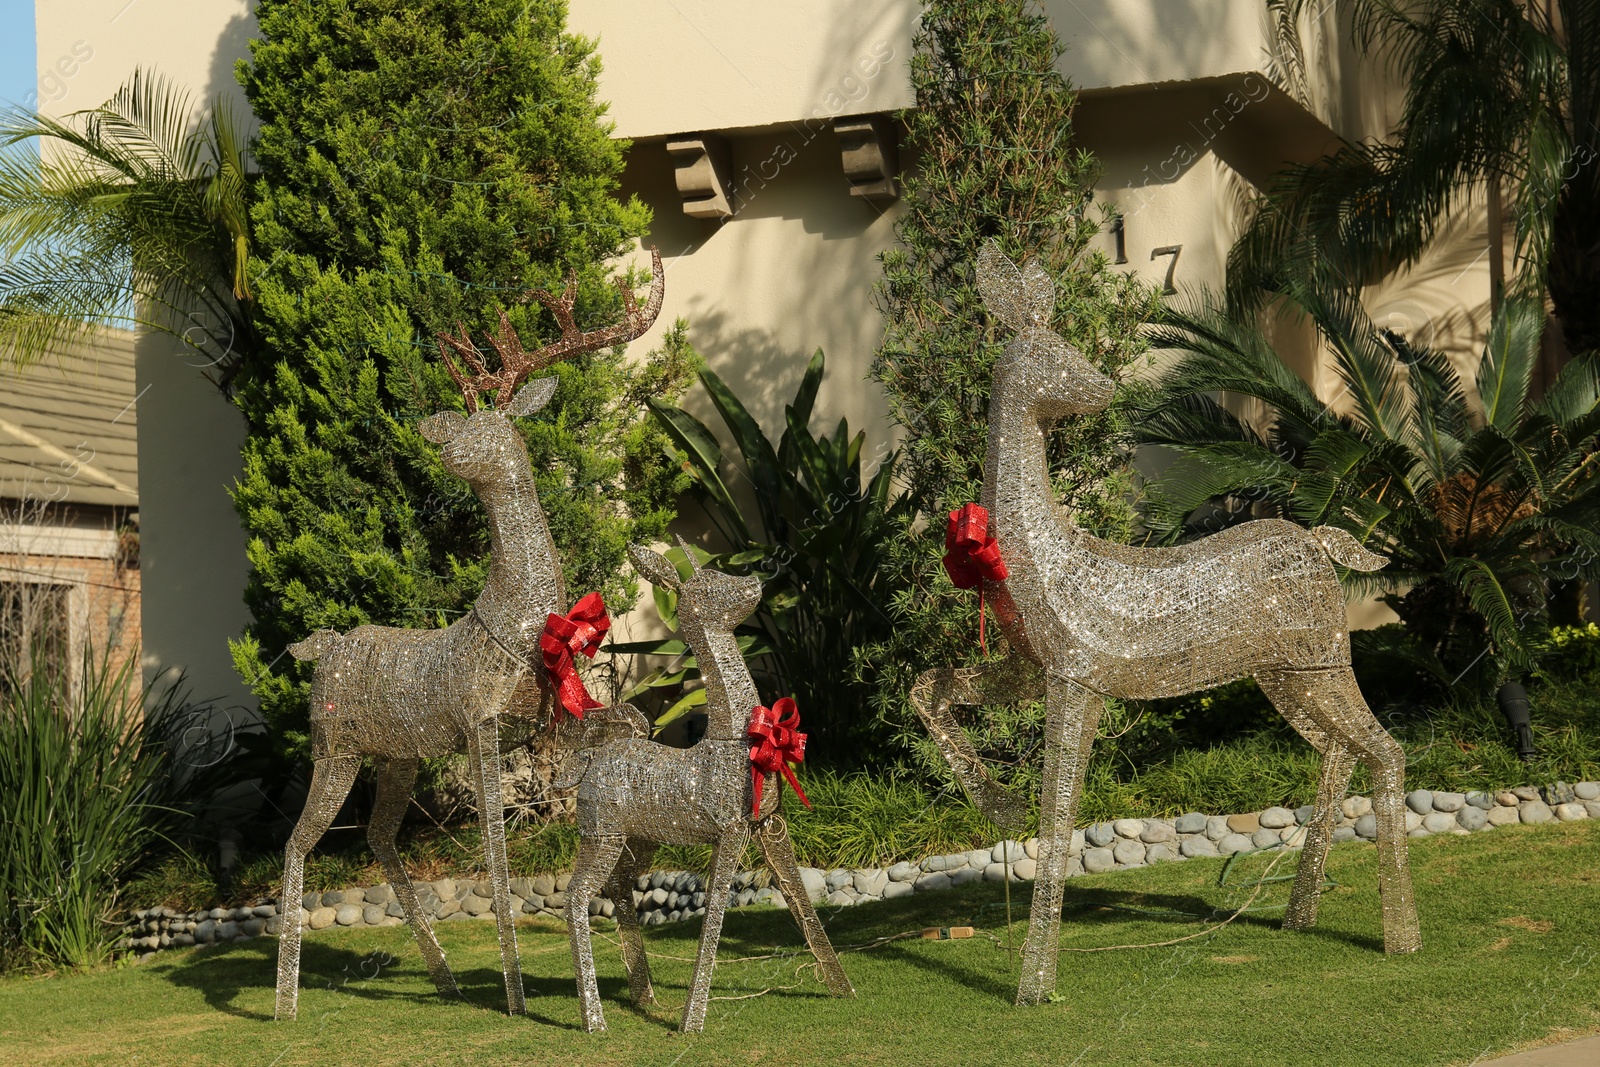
<point x="321" y="918"/>
<point x="1190" y="822"/>
<point x="476" y="905"/>
<point x="380" y="894"/>
<point x="996" y="872"/>
<point x="1478" y="799"/>
<point x="838" y="879"/>
<point x="1074" y="848"/>
<point x="870" y="883"/>
<point x="1343" y="833"/>
<point x="1571" y="811"/>
<point x="1557" y="793"/>
<point x="1472" y="817"/>
<point x="1593" y="808"/>
<point x="903" y="872"/>
<point x="1506" y="798"/>
<point x="978" y="859"/>
<point x="242" y="914"/>
<point x="1160" y="852"/>
<point x="1367" y="826"/>
<point x="555" y="901"/>
<point x="1535" y="811"/>
<point x="1302" y="814"/>
<point x="544" y="884"/>
<point x="264" y="911"/>
<point x="1233" y="843"/>
<point x="1099" y="835"/>
<point x="1587" y="790"/>
<point x="1197" y="846"/>
<point x="1098" y="859"/>
<point x="1129" y="853"/>
<point x="347" y="914"/>
<point x="1526" y="792"/>
<point x="816" y="885"/>
<point x="1157" y="832"/>
<point x="1031" y="846"/>
<point x="841" y="898"/>
<point x="1420" y="801"/>
<point x="1503" y="816"/>
<point x="1247" y="823"/>
<point x="248" y="928"/>
<point x="933" y="880"/>
<point x="1128" y="828"/>
<point x="1025" y="869"/>
<point x="1216" y="828"/>
<point x="890" y="892"/>
<point x="522" y="887"/>
<point x="1007" y="852"/>
<point x="308" y="901"/>
<point x="1438" y="822"/>
<point x="205" y="931"/>
<point x="965" y="875"/>
<point x="227" y="931"/>
<point x="1449" y="802"/>
<point x="449" y="907"/>
<point x="1293" y="836"/>
<point x="1264" y="838"/>
<point x="659" y="896"/>
<point x="1276" y="818"/>
<point x="945" y="863"/>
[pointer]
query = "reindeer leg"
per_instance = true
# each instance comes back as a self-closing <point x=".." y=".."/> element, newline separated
<point x="1287" y="691"/>
<point x="1340" y="710"/>
<point x="636" y="858"/>
<point x="937" y="691"/>
<point x="1074" y="716"/>
<point x="597" y="856"/>
<point x="395" y="781"/>
<point x="729" y="849"/>
<point x="483" y="746"/>
<point x="772" y="834"/>
<point x="331" y="779"/>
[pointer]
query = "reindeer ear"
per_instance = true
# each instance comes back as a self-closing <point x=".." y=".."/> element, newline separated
<point x="690" y="553"/>
<point x="441" y="427"/>
<point x="1018" y="298"/>
<point x="654" y="568"/>
<point x="533" y="396"/>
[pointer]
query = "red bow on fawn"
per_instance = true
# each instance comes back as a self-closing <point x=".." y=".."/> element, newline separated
<point x="578" y="631"/>
<point x="971" y="555"/>
<point x="775" y="742"/>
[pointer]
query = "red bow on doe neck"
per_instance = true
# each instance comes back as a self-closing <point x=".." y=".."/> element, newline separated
<point x="578" y="631"/>
<point x="775" y="742"/>
<point x="971" y="555"/>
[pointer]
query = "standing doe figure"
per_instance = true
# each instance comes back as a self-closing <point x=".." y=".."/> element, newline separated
<point x="1087" y="618"/>
<point x="397" y="696"/>
<point x="635" y="794"/>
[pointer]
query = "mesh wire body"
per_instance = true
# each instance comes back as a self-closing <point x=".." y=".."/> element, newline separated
<point x="1086" y="618"/>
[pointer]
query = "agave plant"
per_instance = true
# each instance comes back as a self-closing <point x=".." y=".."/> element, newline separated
<point x="1480" y="493"/>
<point x="131" y="214"/>
<point x="821" y="515"/>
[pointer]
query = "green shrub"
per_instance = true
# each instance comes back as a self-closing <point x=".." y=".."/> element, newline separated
<point x="423" y="163"/>
<point x="84" y="774"/>
<point x="1574" y="651"/>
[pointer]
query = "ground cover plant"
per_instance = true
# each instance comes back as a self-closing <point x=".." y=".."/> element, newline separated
<point x="1508" y="960"/>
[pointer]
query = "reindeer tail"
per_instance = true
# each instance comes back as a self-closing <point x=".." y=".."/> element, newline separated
<point x="314" y="646"/>
<point x="1346" y="550"/>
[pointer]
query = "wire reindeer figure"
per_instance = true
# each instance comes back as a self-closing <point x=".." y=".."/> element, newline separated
<point x="1087" y="618"/>
<point x="634" y="794"/>
<point x="397" y="696"/>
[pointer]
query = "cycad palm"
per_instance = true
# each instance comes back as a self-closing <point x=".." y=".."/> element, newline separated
<point x="1477" y="503"/>
<point x="135" y="214"/>
<point x="1502" y="94"/>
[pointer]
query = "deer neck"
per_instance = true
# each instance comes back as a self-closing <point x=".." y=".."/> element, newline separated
<point x="730" y="691"/>
<point x="1016" y="478"/>
<point x="524" y="584"/>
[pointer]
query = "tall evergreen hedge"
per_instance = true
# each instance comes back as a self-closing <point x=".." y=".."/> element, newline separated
<point x="997" y="159"/>
<point x="422" y="163"/>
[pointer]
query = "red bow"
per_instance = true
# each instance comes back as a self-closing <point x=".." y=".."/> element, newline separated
<point x="579" y="630"/>
<point x="775" y="742"/>
<point x="971" y="555"/>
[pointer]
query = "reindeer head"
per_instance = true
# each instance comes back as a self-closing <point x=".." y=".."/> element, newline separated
<point x="478" y="445"/>
<point x="1053" y="377"/>
<point x="710" y="598"/>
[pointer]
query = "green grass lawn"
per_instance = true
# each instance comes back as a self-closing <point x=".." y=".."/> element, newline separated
<point x="1511" y="928"/>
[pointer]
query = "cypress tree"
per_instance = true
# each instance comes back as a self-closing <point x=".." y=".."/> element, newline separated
<point x="996" y="159"/>
<point x="423" y="163"/>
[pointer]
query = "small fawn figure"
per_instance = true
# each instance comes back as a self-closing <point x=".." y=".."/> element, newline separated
<point x="1087" y="618"/>
<point x="397" y="696"/>
<point x="636" y="794"/>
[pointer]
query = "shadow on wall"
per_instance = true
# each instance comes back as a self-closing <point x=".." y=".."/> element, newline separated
<point x="232" y="45"/>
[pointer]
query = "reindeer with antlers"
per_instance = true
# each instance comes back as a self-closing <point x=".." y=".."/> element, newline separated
<point x="1086" y="619"/>
<point x="397" y="696"/>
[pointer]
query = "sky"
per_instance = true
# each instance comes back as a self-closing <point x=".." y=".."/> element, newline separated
<point x="18" y="69"/>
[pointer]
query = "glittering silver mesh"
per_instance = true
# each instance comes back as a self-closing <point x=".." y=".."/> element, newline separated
<point x="634" y="794"/>
<point x="395" y="696"/>
<point x="1086" y="618"/>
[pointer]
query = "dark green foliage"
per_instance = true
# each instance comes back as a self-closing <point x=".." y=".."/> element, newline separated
<point x="423" y="163"/>
<point x="824" y="509"/>
<point x="84" y="773"/>
<point x="1478" y="505"/>
<point x="994" y="136"/>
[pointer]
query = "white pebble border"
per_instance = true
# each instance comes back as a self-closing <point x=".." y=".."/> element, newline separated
<point x="668" y="896"/>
